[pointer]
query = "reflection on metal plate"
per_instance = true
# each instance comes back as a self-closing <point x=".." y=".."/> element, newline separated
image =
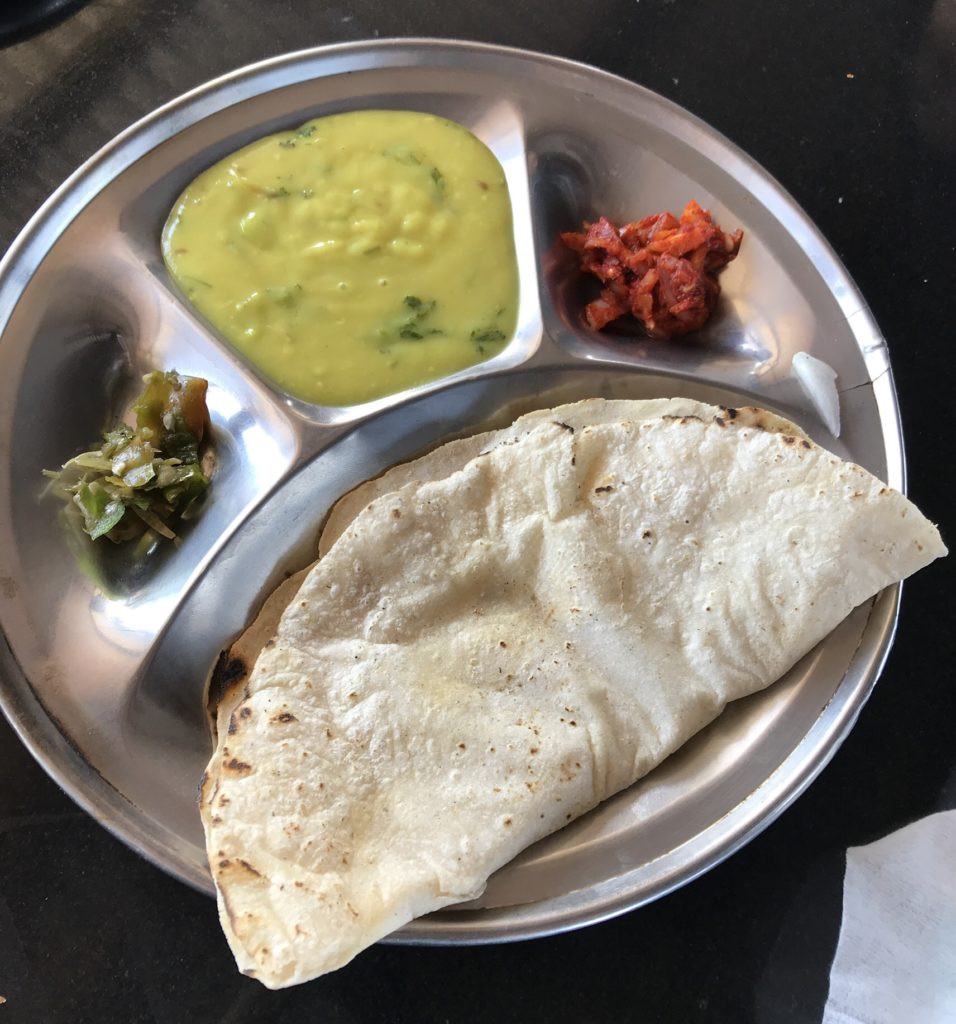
<point x="107" y="688"/>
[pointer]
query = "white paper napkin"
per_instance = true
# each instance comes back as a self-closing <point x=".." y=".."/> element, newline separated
<point x="896" y="958"/>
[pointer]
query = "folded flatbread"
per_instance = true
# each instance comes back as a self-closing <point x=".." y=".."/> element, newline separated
<point x="234" y="667"/>
<point x="481" y="657"/>
<point x="452" y="456"/>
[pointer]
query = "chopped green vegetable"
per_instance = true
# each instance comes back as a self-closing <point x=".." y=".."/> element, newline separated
<point x="482" y="334"/>
<point x="170" y="404"/>
<point x="142" y="481"/>
<point x="101" y="510"/>
<point x="411" y="328"/>
<point x="416" y="334"/>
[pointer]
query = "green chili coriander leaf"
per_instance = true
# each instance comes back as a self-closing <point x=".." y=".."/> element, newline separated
<point x="141" y="481"/>
<point x="487" y="334"/>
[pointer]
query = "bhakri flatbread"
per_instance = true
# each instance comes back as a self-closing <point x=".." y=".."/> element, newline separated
<point x="450" y="457"/>
<point x="232" y="671"/>
<point x="481" y="658"/>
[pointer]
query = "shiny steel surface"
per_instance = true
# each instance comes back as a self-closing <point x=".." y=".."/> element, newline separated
<point x="107" y="689"/>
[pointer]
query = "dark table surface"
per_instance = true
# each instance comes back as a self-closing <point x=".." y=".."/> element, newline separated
<point x="853" y="108"/>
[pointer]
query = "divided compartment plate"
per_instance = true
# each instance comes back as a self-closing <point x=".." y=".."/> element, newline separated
<point x="107" y="689"/>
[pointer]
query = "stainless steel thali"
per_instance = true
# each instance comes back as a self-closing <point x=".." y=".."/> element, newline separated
<point x="107" y="689"/>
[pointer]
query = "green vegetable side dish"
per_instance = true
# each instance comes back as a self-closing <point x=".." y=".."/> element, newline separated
<point x="141" y="482"/>
<point x="359" y="255"/>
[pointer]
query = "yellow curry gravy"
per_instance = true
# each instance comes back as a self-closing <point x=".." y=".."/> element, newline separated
<point x="359" y="255"/>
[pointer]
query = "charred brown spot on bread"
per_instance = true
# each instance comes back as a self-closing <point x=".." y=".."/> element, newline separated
<point x="647" y="534"/>
<point x="229" y="673"/>
<point x="507" y="823"/>
<point x="720" y="421"/>
<point x="563" y="426"/>
<point x="270" y="642"/>
<point x="224" y="863"/>
<point x="245" y="711"/>
<point x="396" y="513"/>
<point x="603" y="490"/>
<point x="284" y="716"/>
<point x="237" y="767"/>
<point x="233" y="724"/>
<point x="788" y="439"/>
<point x="806" y="444"/>
<point x="228" y="669"/>
<point x="730" y="413"/>
<point x="248" y="867"/>
<point x="680" y="419"/>
<point x="204" y="797"/>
